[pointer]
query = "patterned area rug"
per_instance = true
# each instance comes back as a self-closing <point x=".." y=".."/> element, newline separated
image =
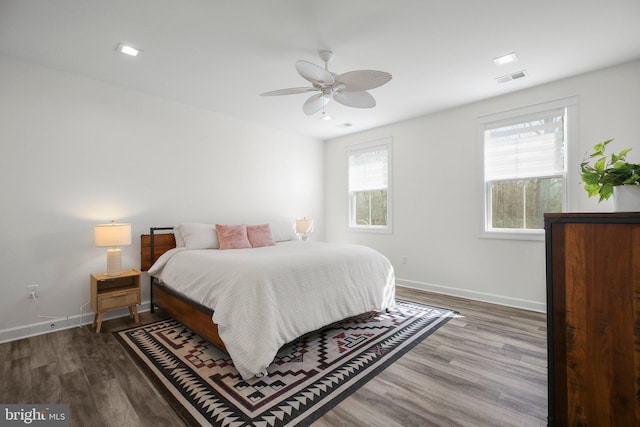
<point x="307" y="378"/>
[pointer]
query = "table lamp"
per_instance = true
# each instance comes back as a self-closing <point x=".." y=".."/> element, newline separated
<point x="304" y="227"/>
<point x="113" y="235"/>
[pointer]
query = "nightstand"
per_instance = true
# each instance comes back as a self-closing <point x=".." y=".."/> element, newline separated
<point x="111" y="292"/>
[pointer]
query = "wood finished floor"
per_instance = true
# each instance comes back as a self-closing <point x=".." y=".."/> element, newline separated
<point x="486" y="367"/>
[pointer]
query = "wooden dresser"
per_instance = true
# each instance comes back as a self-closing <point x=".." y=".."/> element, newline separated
<point x="593" y="319"/>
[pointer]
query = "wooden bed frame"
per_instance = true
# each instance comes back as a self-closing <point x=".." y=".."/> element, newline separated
<point x="193" y="315"/>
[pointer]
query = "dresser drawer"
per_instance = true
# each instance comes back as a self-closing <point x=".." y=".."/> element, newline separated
<point x="118" y="299"/>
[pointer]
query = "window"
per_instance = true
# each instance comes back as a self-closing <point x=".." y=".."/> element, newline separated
<point x="369" y="186"/>
<point x="524" y="168"/>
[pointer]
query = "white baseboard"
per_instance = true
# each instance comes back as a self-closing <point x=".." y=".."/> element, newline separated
<point x="540" y="307"/>
<point x="74" y="321"/>
<point x="67" y="322"/>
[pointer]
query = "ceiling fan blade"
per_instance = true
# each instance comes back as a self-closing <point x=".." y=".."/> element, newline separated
<point x="315" y="104"/>
<point x="360" y="99"/>
<point x="289" y="91"/>
<point x="359" y="80"/>
<point x="315" y="74"/>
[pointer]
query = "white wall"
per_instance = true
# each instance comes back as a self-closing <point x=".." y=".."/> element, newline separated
<point x="435" y="202"/>
<point x="75" y="152"/>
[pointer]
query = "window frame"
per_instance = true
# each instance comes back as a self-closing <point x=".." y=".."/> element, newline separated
<point x="386" y="143"/>
<point x="570" y="105"/>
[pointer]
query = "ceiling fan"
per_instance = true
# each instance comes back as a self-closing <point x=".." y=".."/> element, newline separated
<point x="348" y="89"/>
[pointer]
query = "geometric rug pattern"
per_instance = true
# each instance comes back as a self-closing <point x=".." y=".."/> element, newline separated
<point x="307" y="378"/>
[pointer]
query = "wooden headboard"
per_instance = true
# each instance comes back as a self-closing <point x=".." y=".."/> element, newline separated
<point x="162" y="242"/>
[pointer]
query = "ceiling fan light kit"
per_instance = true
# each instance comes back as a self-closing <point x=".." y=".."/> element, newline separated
<point x="348" y="89"/>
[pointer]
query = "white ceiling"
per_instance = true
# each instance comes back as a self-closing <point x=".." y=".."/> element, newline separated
<point x="221" y="54"/>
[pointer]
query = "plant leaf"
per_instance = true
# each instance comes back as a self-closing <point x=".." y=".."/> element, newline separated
<point x="590" y="178"/>
<point x="592" y="189"/>
<point x="606" y="191"/>
<point x="599" y="164"/>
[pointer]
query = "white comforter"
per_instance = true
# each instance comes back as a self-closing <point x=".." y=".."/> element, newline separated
<point x="263" y="298"/>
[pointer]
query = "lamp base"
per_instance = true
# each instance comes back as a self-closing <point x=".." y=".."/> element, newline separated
<point x="114" y="261"/>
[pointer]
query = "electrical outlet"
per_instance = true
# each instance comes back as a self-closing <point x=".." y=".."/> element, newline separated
<point x="405" y="259"/>
<point x="32" y="291"/>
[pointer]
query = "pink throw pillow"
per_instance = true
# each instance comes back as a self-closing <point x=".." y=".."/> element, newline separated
<point x="233" y="236"/>
<point x="260" y="235"/>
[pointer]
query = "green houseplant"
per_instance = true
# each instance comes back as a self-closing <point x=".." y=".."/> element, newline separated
<point x="601" y="172"/>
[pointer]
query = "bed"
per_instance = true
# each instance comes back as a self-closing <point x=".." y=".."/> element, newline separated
<point x="251" y="301"/>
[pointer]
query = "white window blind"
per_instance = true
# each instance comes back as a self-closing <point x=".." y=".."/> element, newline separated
<point x="368" y="170"/>
<point x="533" y="147"/>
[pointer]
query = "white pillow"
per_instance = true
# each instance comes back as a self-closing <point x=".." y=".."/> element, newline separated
<point x="283" y="230"/>
<point x="197" y="236"/>
<point x="177" y="233"/>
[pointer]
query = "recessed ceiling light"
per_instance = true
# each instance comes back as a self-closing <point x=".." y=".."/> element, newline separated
<point x="128" y="50"/>
<point x="505" y="59"/>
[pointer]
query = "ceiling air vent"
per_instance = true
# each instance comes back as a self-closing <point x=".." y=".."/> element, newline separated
<point x="512" y="76"/>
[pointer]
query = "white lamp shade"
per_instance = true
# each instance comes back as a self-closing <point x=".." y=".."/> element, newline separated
<point x="304" y="226"/>
<point x="112" y="235"/>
